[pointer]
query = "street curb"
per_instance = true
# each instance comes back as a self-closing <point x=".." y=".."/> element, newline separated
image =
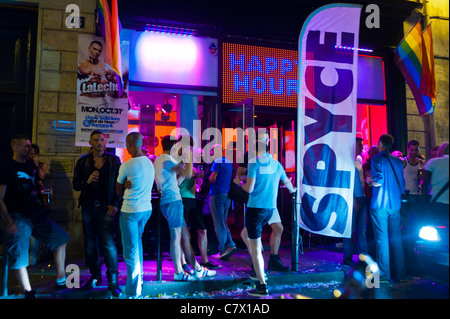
<point x="155" y="289"/>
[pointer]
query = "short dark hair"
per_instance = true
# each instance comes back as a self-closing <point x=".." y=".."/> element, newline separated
<point x="413" y="142"/>
<point x="35" y="148"/>
<point x="387" y="140"/>
<point x="96" y="42"/>
<point x="191" y="139"/>
<point x="16" y="139"/>
<point x="96" y="132"/>
<point x="135" y="139"/>
<point x="167" y="142"/>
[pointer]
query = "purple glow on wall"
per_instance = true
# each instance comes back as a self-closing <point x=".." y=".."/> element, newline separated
<point x="173" y="59"/>
<point x="173" y="54"/>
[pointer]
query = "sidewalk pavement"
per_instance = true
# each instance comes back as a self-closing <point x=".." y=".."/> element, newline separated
<point x="315" y="266"/>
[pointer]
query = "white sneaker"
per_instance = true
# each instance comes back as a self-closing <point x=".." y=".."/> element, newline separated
<point x="204" y="272"/>
<point x="184" y="276"/>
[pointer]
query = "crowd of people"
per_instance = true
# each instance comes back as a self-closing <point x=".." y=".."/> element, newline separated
<point x="390" y="196"/>
<point x="394" y="194"/>
<point x="108" y="187"/>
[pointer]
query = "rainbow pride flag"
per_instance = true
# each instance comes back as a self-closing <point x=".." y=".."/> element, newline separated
<point x="428" y="83"/>
<point x="413" y="58"/>
<point x="108" y="25"/>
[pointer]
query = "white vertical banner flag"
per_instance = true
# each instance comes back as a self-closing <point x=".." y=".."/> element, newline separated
<point x="328" y="73"/>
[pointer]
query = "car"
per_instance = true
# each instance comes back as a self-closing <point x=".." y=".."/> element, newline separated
<point x="432" y="247"/>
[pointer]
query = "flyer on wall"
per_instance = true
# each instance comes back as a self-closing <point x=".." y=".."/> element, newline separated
<point x="101" y="103"/>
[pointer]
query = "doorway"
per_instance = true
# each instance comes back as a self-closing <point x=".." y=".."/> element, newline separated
<point x="18" y="33"/>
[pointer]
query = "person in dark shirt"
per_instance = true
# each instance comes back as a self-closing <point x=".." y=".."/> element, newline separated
<point x="23" y="215"/>
<point x="95" y="176"/>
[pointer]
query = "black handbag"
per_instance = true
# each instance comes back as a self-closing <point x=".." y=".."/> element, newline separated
<point x="237" y="194"/>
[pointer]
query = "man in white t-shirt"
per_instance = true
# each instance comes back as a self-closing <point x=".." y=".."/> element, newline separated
<point x="136" y="210"/>
<point x="411" y="205"/>
<point x="436" y="181"/>
<point x="171" y="205"/>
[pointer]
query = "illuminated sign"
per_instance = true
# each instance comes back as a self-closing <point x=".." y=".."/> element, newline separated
<point x="267" y="75"/>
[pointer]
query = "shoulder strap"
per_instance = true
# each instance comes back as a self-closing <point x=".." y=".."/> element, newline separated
<point x="395" y="174"/>
<point x="443" y="189"/>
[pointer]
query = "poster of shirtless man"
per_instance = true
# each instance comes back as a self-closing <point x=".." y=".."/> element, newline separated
<point x="99" y="106"/>
<point x="94" y="71"/>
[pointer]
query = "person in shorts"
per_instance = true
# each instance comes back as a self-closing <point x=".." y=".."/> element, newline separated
<point x="171" y="205"/>
<point x="193" y="214"/>
<point x="263" y="176"/>
<point x="23" y="215"/>
<point x="275" y="224"/>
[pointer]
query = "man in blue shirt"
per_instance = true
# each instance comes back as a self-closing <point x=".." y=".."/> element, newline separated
<point x="220" y="180"/>
<point x="388" y="185"/>
<point x="263" y="178"/>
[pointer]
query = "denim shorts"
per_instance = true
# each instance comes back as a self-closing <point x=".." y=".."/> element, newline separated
<point x="173" y="212"/>
<point x="42" y="228"/>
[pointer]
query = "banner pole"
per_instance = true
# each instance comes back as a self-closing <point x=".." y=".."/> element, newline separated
<point x="294" y="252"/>
<point x="158" y="236"/>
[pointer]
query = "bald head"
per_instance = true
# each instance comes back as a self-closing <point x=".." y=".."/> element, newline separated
<point x="135" y="139"/>
<point x="134" y="144"/>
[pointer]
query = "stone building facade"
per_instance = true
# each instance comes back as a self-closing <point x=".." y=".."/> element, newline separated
<point x="420" y="129"/>
<point x="55" y="96"/>
<point x="55" y="99"/>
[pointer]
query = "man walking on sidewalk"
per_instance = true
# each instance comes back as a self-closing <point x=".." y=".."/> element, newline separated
<point x="23" y="215"/>
<point x="263" y="177"/>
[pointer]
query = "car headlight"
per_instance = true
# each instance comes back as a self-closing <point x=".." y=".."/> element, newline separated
<point x="429" y="233"/>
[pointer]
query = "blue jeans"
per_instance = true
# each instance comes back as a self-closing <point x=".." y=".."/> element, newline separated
<point x="358" y="231"/>
<point x="386" y="229"/>
<point x="219" y="210"/>
<point x="132" y="227"/>
<point x="98" y="227"/>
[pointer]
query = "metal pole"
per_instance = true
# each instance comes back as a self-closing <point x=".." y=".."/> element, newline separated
<point x="158" y="236"/>
<point x="5" y="269"/>
<point x="428" y="120"/>
<point x="294" y="254"/>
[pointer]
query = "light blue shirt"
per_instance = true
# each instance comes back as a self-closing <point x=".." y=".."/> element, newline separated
<point x="387" y="196"/>
<point x="267" y="173"/>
